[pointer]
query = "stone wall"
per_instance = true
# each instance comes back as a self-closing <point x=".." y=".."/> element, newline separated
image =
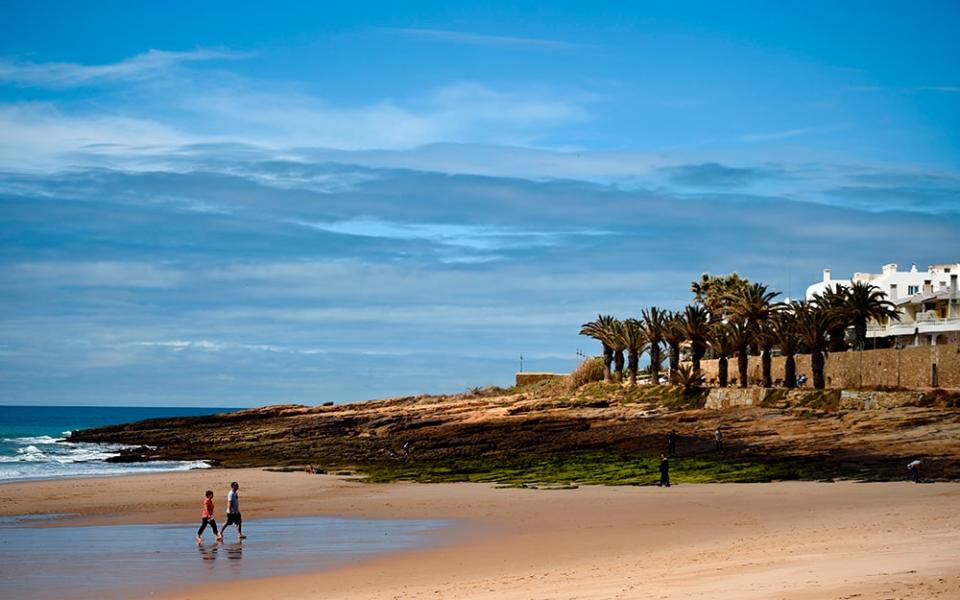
<point x="830" y="400"/>
<point x="528" y="378"/>
<point x="906" y="368"/>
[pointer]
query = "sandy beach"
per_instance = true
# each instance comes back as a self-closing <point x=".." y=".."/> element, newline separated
<point x="794" y="540"/>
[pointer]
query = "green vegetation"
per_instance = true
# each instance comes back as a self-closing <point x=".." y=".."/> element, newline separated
<point x="589" y="469"/>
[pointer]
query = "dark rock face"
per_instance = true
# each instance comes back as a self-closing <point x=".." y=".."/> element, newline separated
<point x="553" y="423"/>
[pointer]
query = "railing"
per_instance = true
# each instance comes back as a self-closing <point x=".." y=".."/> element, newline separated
<point x="922" y="323"/>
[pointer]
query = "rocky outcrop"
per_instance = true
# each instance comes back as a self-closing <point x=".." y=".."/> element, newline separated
<point x="546" y="421"/>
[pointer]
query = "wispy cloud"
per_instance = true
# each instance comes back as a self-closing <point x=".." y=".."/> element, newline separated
<point x="463" y="37"/>
<point x="768" y="136"/>
<point x="474" y="237"/>
<point x="139" y="67"/>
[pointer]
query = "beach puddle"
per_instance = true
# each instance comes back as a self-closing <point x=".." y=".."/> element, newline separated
<point x="130" y="561"/>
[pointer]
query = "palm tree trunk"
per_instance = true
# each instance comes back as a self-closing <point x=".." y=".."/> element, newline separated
<point x="765" y="362"/>
<point x="633" y="364"/>
<point x="816" y="361"/>
<point x="655" y="362"/>
<point x="607" y="359"/>
<point x="742" y="359"/>
<point x="674" y="360"/>
<point x="790" y="372"/>
<point x="618" y="363"/>
<point x="860" y="331"/>
<point x="722" y="371"/>
<point x="697" y="352"/>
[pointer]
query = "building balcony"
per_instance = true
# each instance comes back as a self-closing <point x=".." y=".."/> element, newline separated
<point x="924" y="324"/>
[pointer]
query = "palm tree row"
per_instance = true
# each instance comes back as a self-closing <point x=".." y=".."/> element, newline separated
<point x="731" y="316"/>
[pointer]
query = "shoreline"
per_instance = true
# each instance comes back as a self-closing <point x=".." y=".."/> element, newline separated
<point x="727" y="541"/>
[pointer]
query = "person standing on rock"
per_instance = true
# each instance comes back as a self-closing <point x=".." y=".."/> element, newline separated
<point x="672" y="442"/>
<point x="664" y="471"/>
<point x="914" y="467"/>
<point x="718" y="439"/>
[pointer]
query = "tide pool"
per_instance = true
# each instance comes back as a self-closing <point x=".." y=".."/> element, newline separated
<point x="132" y="561"/>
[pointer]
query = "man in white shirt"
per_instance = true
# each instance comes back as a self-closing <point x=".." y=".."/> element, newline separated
<point x="233" y="510"/>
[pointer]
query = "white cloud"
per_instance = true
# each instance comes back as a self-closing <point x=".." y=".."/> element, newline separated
<point x="141" y="66"/>
<point x="97" y="274"/>
<point x="37" y="135"/>
<point x="474" y="237"/>
<point x="462" y="37"/>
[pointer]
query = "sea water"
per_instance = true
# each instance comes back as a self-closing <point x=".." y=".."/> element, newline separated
<point x="33" y="441"/>
<point x="135" y="561"/>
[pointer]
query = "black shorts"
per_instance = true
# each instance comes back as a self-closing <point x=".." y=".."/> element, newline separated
<point x="233" y="518"/>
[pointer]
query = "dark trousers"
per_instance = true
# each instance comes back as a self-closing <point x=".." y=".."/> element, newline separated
<point x="915" y="475"/>
<point x="719" y="445"/>
<point x="208" y="521"/>
<point x="234" y="519"/>
<point x="665" y="478"/>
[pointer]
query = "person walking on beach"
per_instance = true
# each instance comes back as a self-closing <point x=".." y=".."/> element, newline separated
<point x="718" y="439"/>
<point x="233" y="511"/>
<point x="664" y="471"/>
<point x="208" y="519"/>
<point x="672" y="442"/>
<point x="914" y="467"/>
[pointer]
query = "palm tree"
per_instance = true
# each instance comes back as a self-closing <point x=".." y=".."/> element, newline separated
<point x="601" y="329"/>
<point x="865" y="301"/>
<point x="695" y="324"/>
<point x="722" y="346"/>
<point x="764" y="337"/>
<point x="784" y="331"/>
<point x="813" y="323"/>
<point x="754" y="306"/>
<point x="741" y="336"/>
<point x="618" y="346"/>
<point x="834" y="300"/>
<point x="634" y="338"/>
<point x="673" y="335"/>
<point x="654" y="323"/>
<point x="712" y="292"/>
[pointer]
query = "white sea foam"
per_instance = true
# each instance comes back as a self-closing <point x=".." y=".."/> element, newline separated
<point x="46" y="457"/>
<point x="40" y="439"/>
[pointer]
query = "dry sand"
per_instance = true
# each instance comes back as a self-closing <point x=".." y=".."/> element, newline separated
<point x="735" y="541"/>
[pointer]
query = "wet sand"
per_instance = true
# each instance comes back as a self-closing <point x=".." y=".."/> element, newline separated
<point x="793" y="540"/>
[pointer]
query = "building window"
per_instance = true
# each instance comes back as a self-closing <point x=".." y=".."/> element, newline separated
<point x="913" y="289"/>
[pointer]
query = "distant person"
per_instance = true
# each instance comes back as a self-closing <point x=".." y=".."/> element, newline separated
<point x="208" y="519"/>
<point x="233" y="511"/>
<point x="664" y="471"/>
<point x="408" y="450"/>
<point x="672" y="442"/>
<point x="718" y="439"/>
<point x="801" y="380"/>
<point x="914" y="467"/>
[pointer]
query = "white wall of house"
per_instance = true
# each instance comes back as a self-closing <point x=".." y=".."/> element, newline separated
<point x="928" y="301"/>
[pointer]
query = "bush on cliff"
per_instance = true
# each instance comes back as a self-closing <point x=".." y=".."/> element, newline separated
<point x="588" y="371"/>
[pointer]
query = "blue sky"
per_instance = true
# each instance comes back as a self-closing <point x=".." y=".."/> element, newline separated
<point x="235" y="204"/>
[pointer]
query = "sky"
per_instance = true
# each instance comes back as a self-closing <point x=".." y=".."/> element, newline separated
<point x="238" y="204"/>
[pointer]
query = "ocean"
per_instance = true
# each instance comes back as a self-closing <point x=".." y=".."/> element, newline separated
<point x="33" y="444"/>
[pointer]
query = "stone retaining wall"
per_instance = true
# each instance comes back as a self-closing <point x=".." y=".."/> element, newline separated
<point x="904" y="368"/>
<point x="831" y="400"/>
<point x="528" y="378"/>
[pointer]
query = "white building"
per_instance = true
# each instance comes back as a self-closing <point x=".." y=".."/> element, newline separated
<point x="928" y="303"/>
